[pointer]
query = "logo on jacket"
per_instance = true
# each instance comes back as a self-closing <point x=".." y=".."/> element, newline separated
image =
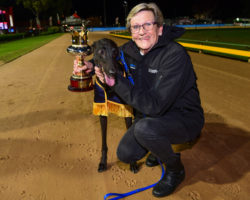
<point x="132" y="66"/>
<point x="152" y="71"/>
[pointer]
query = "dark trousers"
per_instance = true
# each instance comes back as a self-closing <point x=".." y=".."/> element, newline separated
<point x="156" y="135"/>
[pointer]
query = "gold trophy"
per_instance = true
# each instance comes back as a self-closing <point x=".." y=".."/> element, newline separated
<point x="80" y="81"/>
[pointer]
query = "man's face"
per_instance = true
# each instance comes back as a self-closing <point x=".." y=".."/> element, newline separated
<point x="145" y="37"/>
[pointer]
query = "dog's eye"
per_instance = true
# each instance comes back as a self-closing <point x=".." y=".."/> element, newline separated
<point x="101" y="51"/>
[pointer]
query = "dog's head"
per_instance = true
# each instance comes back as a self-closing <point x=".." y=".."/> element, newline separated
<point x="105" y="56"/>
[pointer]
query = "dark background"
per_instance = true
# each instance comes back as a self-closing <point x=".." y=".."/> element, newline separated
<point x="216" y="9"/>
<point x="224" y="10"/>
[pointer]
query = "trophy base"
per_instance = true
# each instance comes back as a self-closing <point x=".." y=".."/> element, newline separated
<point x="80" y="84"/>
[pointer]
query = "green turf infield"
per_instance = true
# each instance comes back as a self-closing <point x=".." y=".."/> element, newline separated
<point x="231" y="38"/>
<point x="236" y="38"/>
<point x="14" y="49"/>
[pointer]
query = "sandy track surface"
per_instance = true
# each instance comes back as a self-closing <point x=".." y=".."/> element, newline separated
<point x="50" y="141"/>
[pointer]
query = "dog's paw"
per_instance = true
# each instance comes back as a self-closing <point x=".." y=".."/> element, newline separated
<point x="102" y="167"/>
<point x="134" y="167"/>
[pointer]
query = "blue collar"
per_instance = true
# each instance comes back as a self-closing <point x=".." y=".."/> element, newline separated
<point x="121" y="57"/>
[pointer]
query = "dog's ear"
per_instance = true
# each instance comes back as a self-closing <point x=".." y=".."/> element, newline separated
<point x="114" y="48"/>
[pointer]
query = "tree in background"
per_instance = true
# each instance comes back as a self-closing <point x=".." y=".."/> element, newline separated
<point x="36" y="6"/>
<point x="59" y="9"/>
<point x="54" y="8"/>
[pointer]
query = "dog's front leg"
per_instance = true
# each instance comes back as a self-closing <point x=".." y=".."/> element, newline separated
<point x="133" y="165"/>
<point x="103" y="163"/>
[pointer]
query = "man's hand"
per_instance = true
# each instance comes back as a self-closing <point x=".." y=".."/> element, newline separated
<point x="110" y="81"/>
<point x="87" y="67"/>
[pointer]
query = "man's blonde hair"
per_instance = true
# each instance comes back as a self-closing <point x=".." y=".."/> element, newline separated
<point x="148" y="7"/>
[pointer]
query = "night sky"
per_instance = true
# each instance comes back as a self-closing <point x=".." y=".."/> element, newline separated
<point x="116" y="7"/>
<point x="215" y="9"/>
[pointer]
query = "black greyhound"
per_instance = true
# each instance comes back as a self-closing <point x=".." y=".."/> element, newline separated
<point x="105" y="56"/>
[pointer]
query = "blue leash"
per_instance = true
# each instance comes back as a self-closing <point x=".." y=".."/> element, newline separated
<point x="126" y="67"/>
<point x="122" y="195"/>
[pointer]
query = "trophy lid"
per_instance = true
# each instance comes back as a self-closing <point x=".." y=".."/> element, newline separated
<point x="79" y="42"/>
<point x="82" y="49"/>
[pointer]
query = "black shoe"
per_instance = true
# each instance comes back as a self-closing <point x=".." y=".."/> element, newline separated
<point x="151" y="161"/>
<point x="169" y="183"/>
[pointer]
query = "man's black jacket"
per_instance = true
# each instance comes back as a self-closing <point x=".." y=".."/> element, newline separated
<point x="164" y="78"/>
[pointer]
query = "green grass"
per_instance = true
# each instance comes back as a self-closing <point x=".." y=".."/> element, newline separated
<point x="228" y="38"/>
<point x="231" y="35"/>
<point x="14" y="49"/>
<point x="236" y="38"/>
<point x="232" y="38"/>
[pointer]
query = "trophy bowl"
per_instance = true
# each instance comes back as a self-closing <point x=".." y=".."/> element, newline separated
<point x="80" y="81"/>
